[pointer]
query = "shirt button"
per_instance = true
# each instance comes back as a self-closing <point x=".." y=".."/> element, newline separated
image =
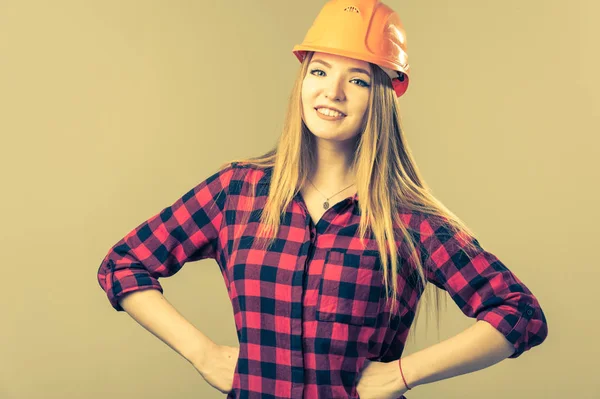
<point x="530" y="312"/>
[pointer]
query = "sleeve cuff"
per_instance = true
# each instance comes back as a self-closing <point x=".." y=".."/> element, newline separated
<point x="127" y="283"/>
<point x="510" y="324"/>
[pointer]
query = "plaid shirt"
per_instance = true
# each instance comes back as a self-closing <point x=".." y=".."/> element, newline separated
<point x="310" y="310"/>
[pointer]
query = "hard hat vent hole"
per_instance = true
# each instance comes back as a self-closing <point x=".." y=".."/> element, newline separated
<point x="352" y="9"/>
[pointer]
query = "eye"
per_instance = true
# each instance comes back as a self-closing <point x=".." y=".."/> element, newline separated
<point x="363" y="83"/>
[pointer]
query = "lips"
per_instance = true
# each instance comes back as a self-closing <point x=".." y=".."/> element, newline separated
<point x="331" y="108"/>
<point x="329" y="118"/>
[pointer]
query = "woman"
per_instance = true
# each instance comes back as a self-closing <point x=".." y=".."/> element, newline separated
<point x="324" y="286"/>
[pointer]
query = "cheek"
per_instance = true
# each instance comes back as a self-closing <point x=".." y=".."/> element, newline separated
<point x="304" y="102"/>
<point x="307" y="99"/>
<point x="308" y="89"/>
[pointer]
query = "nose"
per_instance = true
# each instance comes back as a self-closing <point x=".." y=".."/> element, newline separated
<point x="335" y="90"/>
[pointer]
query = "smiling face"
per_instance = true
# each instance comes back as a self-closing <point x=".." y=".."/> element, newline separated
<point x="340" y="83"/>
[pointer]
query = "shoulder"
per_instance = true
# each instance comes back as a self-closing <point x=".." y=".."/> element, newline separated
<point x="430" y="224"/>
<point x="249" y="173"/>
<point x="429" y="227"/>
<point x="437" y="231"/>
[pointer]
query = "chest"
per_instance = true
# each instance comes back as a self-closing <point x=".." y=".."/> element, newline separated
<point x="314" y="202"/>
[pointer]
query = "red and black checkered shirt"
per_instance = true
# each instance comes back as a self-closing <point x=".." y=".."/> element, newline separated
<point x="312" y="308"/>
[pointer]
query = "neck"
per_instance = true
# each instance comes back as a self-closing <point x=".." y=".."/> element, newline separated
<point x="333" y="167"/>
<point x="333" y="180"/>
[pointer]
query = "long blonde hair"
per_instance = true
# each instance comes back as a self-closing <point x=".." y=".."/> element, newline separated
<point x="387" y="178"/>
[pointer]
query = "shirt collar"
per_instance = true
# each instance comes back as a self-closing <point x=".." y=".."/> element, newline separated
<point x="268" y="171"/>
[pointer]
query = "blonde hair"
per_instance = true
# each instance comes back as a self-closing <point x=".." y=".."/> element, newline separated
<point x="387" y="178"/>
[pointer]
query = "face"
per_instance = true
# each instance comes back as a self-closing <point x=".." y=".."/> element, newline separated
<point x="337" y="82"/>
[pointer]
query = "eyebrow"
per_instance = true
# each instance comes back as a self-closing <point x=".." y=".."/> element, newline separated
<point x="350" y="70"/>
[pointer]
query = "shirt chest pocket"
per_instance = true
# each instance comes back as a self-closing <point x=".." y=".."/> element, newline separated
<point x="350" y="288"/>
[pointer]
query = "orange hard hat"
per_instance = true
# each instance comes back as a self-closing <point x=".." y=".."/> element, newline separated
<point x="365" y="30"/>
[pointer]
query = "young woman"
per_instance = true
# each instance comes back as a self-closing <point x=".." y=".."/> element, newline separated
<point x="327" y="242"/>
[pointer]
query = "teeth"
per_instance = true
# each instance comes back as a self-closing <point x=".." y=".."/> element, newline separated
<point x="328" y="112"/>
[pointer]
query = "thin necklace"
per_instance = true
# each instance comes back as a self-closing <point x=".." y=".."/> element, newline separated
<point x="326" y="203"/>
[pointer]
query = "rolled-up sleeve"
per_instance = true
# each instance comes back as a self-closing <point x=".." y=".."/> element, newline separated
<point x="187" y="230"/>
<point x="480" y="284"/>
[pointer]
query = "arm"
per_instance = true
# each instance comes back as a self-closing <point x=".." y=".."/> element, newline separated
<point x="476" y="348"/>
<point x="186" y="231"/>
<point x="510" y="320"/>
<point x="152" y="311"/>
<point x="481" y="285"/>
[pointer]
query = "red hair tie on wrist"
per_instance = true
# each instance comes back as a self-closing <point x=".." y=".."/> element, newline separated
<point x="402" y="374"/>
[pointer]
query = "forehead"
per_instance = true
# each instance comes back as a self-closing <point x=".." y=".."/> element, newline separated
<point x="341" y="61"/>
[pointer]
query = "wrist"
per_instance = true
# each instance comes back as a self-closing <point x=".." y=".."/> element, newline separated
<point x="408" y="372"/>
<point x="198" y="354"/>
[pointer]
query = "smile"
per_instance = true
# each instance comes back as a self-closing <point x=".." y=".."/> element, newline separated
<point x="329" y="115"/>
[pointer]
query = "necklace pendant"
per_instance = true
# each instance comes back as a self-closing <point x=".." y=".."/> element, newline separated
<point x="326" y="205"/>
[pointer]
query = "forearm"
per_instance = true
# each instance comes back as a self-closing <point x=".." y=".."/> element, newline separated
<point x="152" y="310"/>
<point x="477" y="347"/>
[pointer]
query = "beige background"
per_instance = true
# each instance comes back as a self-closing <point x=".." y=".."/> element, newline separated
<point x="111" y="110"/>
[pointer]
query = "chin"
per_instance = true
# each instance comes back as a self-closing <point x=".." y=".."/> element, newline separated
<point x="332" y="136"/>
